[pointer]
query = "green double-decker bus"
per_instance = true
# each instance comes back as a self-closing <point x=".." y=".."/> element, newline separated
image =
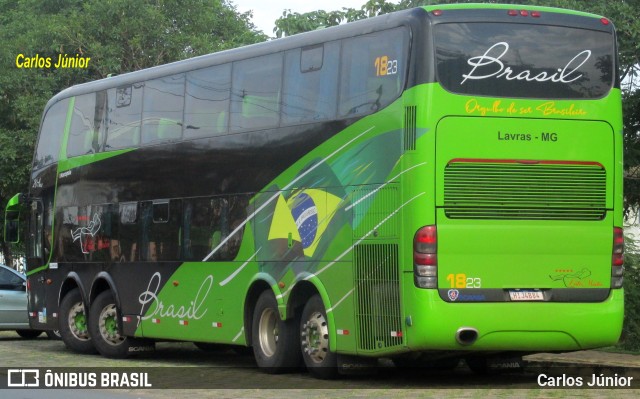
<point x="428" y="185"/>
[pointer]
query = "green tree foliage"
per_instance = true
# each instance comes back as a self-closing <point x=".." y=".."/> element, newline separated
<point x="118" y="35"/>
<point x="630" y="339"/>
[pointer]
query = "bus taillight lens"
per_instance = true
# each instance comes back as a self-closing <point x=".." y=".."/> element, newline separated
<point x="617" y="258"/>
<point x="425" y="257"/>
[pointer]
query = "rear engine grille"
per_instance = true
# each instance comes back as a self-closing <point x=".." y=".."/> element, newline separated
<point x="549" y="190"/>
<point x="377" y="296"/>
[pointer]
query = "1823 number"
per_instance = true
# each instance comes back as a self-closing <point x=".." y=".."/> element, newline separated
<point x="385" y="66"/>
<point x="460" y="280"/>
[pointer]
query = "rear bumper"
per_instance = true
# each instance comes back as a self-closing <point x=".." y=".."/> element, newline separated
<point x="528" y="326"/>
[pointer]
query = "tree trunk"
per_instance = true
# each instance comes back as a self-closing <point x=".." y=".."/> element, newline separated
<point x="8" y="257"/>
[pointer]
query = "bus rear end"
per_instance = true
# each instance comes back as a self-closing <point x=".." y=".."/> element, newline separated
<point x="524" y="143"/>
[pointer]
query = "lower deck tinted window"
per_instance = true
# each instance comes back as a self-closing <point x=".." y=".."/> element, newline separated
<point x="208" y="224"/>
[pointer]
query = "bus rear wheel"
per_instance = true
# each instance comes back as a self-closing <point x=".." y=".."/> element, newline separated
<point x="73" y="323"/>
<point x="314" y="340"/>
<point x="274" y="340"/>
<point x="105" y="329"/>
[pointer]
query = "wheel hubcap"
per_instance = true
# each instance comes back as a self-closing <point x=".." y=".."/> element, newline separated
<point x="108" y="325"/>
<point x="78" y="322"/>
<point x="268" y="332"/>
<point x="315" y="337"/>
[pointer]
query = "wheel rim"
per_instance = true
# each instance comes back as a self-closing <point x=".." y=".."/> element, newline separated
<point x="268" y="332"/>
<point x="315" y="337"/>
<point x="78" y="322"/>
<point x="108" y="325"/>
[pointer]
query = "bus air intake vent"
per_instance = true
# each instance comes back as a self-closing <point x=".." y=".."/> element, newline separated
<point x="373" y="211"/>
<point x="410" y="128"/>
<point x="505" y="189"/>
<point x="377" y="296"/>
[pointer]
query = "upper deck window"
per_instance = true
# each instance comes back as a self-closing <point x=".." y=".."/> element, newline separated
<point x="255" y="99"/>
<point x="162" y="109"/>
<point x="520" y="60"/>
<point x="311" y="83"/>
<point x="373" y="71"/>
<point x="206" y="110"/>
<point x="123" y="125"/>
<point x="51" y="133"/>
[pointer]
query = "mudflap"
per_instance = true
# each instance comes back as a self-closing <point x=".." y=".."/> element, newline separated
<point x="141" y="346"/>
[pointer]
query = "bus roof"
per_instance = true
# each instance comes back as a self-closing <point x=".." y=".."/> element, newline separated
<point x="517" y="7"/>
<point x="295" y="41"/>
<point x="382" y="22"/>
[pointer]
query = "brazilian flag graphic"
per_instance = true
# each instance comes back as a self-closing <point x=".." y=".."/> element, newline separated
<point x="304" y="217"/>
<point x="295" y="227"/>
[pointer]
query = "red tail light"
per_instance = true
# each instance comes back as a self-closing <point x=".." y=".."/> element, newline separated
<point x="617" y="258"/>
<point x="425" y="240"/>
<point x="425" y="257"/>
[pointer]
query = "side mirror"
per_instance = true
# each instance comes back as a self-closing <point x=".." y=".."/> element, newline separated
<point x="12" y="218"/>
<point x="12" y="227"/>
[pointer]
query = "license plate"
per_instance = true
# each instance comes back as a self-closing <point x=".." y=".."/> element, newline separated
<point x="526" y="295"/>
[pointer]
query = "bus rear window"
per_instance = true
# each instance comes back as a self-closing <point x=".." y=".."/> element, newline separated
<point x="527" y="61"/>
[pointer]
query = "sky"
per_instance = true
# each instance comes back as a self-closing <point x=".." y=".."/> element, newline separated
<point x="265" y="12"/>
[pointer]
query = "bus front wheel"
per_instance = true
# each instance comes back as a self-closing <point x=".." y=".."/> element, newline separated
<point x="73" y="323"/>
<point x="274" y="340"/>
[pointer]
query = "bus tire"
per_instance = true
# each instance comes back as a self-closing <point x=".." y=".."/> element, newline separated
<point x="274" y="340"/>
<point x="314" y="340"/>
<point x="104" y="327"/>
<point x="54" y="334"/>
<point x="73" y="323"/>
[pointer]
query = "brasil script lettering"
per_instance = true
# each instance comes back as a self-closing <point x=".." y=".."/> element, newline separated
<point x="194" y="311"/>
<point x="489" y="65"/>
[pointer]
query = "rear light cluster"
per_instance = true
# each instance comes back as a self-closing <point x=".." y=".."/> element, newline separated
<point x="425" y="257"/>
<point x="617" y="258"/>
<point x="524" y="13"/>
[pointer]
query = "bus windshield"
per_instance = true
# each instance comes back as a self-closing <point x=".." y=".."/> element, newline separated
<point x="526" y="61"/>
